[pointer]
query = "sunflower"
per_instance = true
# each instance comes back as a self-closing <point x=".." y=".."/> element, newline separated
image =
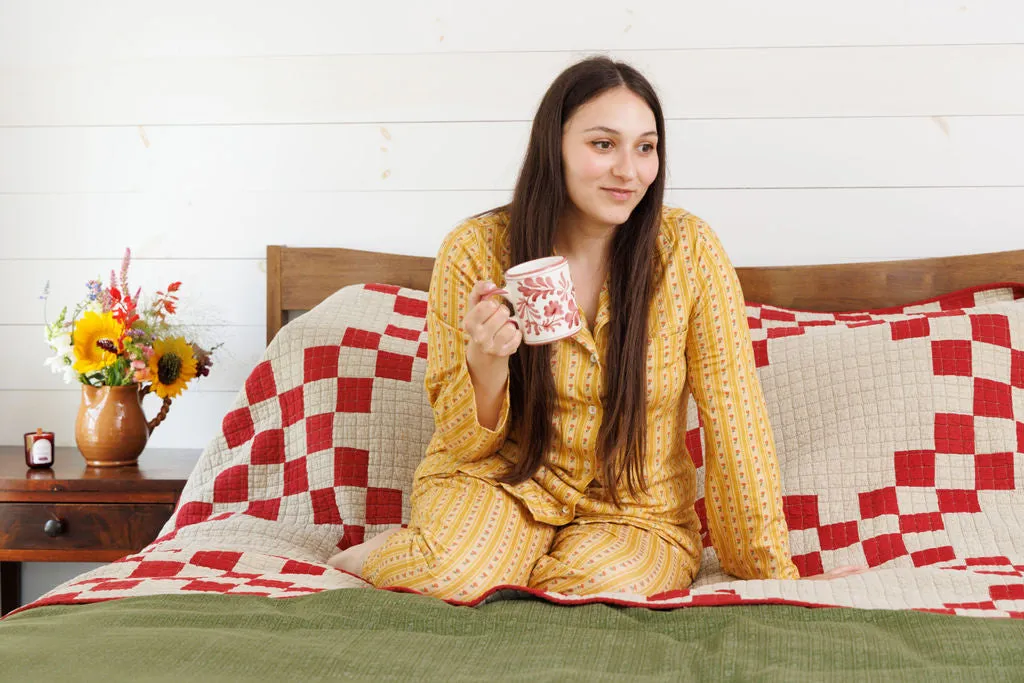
<point x="97" y="340"/>
<point x="171" y="366"/>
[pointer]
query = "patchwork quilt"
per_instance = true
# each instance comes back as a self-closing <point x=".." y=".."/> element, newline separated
<point x="900" y="436"/>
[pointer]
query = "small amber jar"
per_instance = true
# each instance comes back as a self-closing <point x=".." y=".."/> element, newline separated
<point x="39" y="449"/>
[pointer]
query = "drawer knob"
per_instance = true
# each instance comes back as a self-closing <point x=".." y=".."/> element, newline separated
<point x="53" y="527"/>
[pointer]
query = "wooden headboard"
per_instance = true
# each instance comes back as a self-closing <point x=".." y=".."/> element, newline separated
<point x="300" y="278"/>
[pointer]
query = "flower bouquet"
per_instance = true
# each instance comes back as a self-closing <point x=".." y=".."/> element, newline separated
<point x="120" y="349"/>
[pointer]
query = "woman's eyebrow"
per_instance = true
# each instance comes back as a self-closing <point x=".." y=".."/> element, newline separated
<point x="612" y="131"/>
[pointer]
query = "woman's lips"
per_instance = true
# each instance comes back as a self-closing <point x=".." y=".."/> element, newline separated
<point x="619" y="195"/>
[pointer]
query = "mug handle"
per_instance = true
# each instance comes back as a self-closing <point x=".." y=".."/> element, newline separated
<point x="510" y="305"/>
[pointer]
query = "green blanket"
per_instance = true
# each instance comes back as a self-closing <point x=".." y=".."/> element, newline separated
<point x="378" y="635"/>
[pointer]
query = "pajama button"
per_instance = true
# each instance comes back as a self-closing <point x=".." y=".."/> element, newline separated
<point x="592" y="410"/>
<point x="565" y="508"/>
<point x="593" y="358"/>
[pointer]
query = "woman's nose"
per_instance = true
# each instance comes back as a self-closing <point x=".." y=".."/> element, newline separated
<point x="625" y="168"/>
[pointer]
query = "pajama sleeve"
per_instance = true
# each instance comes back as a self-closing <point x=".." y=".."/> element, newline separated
<point x="742" y="491"/>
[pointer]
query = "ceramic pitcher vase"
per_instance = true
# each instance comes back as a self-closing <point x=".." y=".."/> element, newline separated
<point x="111" y="429"/>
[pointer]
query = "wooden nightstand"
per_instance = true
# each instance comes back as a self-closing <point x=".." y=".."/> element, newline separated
<point x="75" y="513"/>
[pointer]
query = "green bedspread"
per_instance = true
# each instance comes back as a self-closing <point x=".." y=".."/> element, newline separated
<point x="378" y="635"/>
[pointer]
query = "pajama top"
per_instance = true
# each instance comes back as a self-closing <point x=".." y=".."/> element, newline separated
<point x="699" y="345"/>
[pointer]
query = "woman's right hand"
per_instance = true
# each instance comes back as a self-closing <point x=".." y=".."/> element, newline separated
<point x="493" y="337"/>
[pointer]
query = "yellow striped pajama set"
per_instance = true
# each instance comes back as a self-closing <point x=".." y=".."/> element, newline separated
<point x="555" y="531"/>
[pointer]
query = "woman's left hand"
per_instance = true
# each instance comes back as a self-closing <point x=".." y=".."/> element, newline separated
<point x="839" y="573"/>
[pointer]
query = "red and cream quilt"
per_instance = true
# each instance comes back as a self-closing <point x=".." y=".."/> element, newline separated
<point x="900" y="436"/>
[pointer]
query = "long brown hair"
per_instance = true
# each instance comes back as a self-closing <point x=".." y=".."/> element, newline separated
<point x="538" y="203"/>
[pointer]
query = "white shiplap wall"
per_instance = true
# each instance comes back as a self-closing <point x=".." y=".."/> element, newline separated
<point x="199" y="132"/>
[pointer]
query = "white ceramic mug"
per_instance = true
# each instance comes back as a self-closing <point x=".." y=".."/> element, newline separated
<point x="543" y="300"/>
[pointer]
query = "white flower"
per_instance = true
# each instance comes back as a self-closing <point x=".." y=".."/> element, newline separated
<point x="61" y="363"/>
<point x="61" y="343"/>
<point x="93" y="307"/>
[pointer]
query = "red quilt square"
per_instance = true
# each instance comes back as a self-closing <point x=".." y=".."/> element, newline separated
<point x="1020" y="437"/>
<point x="355" y="394"/>
<point x="925" y="521"/>
<point x="761" y="353"/>
<point x="267" y="448"/>
<point x="421" y="352"/>
<point x="394" y="366"/>
<point x="192" y="512"/>
<point x="908" y="329"/>
<point x="232" y="485"/>
<point x="954" y="433"/>
<point x="952" y="357"/>
<point x="325" y="507"/>
<point x="383" y="506"/>
<point x="992" y="329"/>
<point x="237" y="427"/>
<point x="269" y="583"/>
<point x="291" y="406"/>
<point x="878" y="502"/>
<point x="768" y="313"/>
<point x="298" y="567"/>
<point x="779" y="332"/>
<point x="295" y="478"/>
<point x="923" y="558"/>
<point x="361" y="339"/>
<point x="699" y="507"/>
<point x="216" y="559"/>
<point x="319" y="433"/>
<point x="801" y="511"/>
<point x="207" y="586"/>
<point x="260" y="384"/>
<point x="915" y="468"/>
<point x="694" y="447"/>
<point x="957" y="300"/>
<point x="403" y="333"/>
<point x="1017" y="368"/>
<point x="881" y="549"/>
<point x="958" y="500"/>
<point x="836" y="536"/>
<point x="809" y="564"/>
<point x="354" y="535"/>
<point x="1011" y="592"/>
<point x="992" y="399"/>
<point x="406" y="306"/>
<point x="156" y="568"/>
<point x="351" y="467"/>
<point x="320" y="362"/>
<point x="384" y="289"/>
<point x="265" y="509"/>
<point x="993" y="472"/>
<point x="116" y="585"/>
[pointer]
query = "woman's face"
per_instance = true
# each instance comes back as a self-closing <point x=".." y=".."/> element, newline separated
<point x="610" y="155"/>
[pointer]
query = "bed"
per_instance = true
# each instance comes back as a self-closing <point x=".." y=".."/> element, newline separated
<point x="317" y="453"/>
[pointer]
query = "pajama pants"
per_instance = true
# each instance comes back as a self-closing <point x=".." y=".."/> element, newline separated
<point x="467" y="535"/>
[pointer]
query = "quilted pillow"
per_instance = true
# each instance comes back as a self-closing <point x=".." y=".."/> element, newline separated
<point x="899" y="431"/>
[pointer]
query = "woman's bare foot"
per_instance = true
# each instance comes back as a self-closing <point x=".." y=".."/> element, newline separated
<point x="352" y="559"/>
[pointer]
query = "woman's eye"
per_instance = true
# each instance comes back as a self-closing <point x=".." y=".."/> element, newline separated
<point x="646" y="148"/>
<point x="602" y="144"/>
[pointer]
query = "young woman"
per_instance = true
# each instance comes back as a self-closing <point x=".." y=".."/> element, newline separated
<point x="563" y="467"/>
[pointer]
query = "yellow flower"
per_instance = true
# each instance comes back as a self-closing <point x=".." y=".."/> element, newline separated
<point x="171" y="366"/>
<point x="97" y="339"/>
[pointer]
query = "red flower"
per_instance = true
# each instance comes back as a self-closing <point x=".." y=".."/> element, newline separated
<point x="553" y="308"/>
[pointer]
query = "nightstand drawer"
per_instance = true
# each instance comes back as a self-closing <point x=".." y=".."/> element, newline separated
<point x="42" y="526"/>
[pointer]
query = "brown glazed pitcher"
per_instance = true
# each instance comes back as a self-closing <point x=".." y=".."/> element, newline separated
<point x="111" y="430"/>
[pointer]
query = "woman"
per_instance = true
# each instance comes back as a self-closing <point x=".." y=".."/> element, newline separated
<point x="563" y="467"/>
